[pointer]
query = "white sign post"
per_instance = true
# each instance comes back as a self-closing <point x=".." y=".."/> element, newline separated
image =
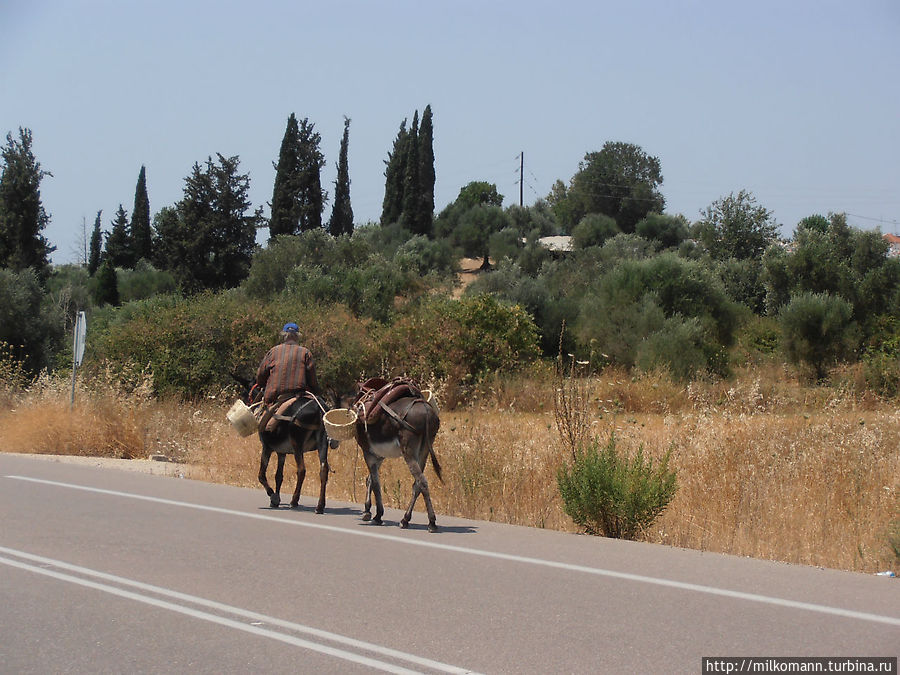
<point x="78" y="349"/>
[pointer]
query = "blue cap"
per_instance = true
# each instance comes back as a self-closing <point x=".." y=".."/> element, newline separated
<point x="291" y="328"/>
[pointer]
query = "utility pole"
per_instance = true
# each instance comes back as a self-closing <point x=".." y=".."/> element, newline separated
<point x="521" y="176"/>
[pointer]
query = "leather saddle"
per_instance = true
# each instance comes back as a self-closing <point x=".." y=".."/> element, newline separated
<point x="279" y="411"/>
<point x="376" y="396"/>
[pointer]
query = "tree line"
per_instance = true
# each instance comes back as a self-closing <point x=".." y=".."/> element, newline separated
<point x="639" y="287"/>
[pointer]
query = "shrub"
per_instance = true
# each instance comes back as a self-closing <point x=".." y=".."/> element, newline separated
<point x="368" y="290"/>
<point x="13" y="377"/>
<point x="816" y="330"/>
<point x="593" y="230"/>
<point x="421" y="255"/>
<point x="193" y="346"/>
<point x="511" y="284"/>
<point x="144" y="281"/>
<point x="678" y="347"/>
<point x="611" y="495"/>
<point x="459" y="340"/>
<point x="637" y="298"/>
<point x="668" y="230"/>
<point x="742" y="280"/>
<point x="30" y="328"/>
<point x="893" y="538"/>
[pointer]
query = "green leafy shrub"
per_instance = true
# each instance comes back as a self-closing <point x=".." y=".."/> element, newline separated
<point x="28" y="325"/>
<point x="593" y="230"/>
<point x="144" y="281"/>
<point x="193" y="346"/>
<point x="511" y="284"/>
<point x="420" y="255"/>
<point x="637" y="298"/>
<point x="668" y="230"/>
<point x="369" y="290"/>
<point x="677" y="347"/>
<point x="881" y="357"/>
<point x="459" y="340"/>
<point x="817" y="331"/>
<point x="610" y="495"/>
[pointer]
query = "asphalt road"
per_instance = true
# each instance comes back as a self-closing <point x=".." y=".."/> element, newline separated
<point x="107" y="571"/>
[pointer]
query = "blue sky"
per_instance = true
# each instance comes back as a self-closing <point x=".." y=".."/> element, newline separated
<point x="795" y="101"/>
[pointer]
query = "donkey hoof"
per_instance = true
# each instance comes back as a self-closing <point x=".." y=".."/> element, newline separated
<point x="320" y="510"/>
<point x="404" y="524"/>
<point x="377" y="521"/>
<point x="295" y="505"/>
<point x="367" y="517"/>
<point x="432" y="527"/>
<point x="274" y="501"/>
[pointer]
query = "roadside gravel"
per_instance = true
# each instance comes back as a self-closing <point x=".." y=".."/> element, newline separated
<point x="149" y="466"/>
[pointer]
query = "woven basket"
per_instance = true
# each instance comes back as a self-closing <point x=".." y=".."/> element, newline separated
<point x="340" y="424"/>
<point x="242" y="418"/>
<point x="428" y="395"/>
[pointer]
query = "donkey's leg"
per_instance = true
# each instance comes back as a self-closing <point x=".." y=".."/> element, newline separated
<point x="367" y="504"/>
<point x="274" y="500"/>
<point x="420" y="484"/>
<point x="373" y="487"/>
<point x="301" y="474"/>
<point x="324" y="469"/>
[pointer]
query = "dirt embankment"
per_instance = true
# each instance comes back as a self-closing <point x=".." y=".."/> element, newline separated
<point x="470" y="268"/>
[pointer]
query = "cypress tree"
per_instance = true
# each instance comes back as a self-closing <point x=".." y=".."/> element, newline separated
<point x="342" y="213"/>
<point x="96" y="246"/>
<point x="140" y="220"/>
<point x="285" y="216"/>
<point x="426" y="172"/>
<point x="411" y="193"/>
<point x="22" y="215"/>
<point x="106" y="290"/>
<point x="118" y="243"/>
<point x="310" y="196"/>
<point x="394" y="174"/>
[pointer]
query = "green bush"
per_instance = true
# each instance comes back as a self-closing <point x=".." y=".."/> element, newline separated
<point x="144" y="281"/>
<point x="668" y="230"/>
<point x="677" y="347"/>
<point x="29" y="326"/>
<point x="511" y="284"/>
<point x="634" y="300"/>
<point x="593" y="230"/>
<point x="817" y="331"/>
<point x="611" y="495"/>
<point x="459" y="340"/>
<point x="368" y="290"/>
<point x="193" y="346"/>
<point x="420" y="255"/>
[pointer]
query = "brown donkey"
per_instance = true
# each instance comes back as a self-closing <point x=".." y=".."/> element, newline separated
<point x="299" y="428"/>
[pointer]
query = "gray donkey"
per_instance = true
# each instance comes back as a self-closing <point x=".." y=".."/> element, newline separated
<point x="395" y="420"/>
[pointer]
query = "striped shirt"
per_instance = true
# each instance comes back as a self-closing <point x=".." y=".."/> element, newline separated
<point x="287" y="367"/>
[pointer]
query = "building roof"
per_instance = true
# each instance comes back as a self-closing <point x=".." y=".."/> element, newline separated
<point x="558" y="243"/>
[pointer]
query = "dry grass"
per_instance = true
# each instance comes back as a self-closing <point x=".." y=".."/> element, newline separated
<point x="766" y="467"/>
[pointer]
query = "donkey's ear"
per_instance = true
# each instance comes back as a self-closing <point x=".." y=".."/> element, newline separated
<point x="243" y="381"/>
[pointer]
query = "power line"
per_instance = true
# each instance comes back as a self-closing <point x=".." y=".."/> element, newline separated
<point x="877" y="220"/>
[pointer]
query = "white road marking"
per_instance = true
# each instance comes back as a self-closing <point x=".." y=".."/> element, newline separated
<point x="669" y="583"/>
<point x="253" y="626"/>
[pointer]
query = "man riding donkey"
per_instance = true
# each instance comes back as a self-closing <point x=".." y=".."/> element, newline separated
<point x="291" y="421"/>
<point x="287" y="369"/>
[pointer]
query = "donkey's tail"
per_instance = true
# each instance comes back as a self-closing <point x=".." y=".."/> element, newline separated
<point x="434" y="460"/>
